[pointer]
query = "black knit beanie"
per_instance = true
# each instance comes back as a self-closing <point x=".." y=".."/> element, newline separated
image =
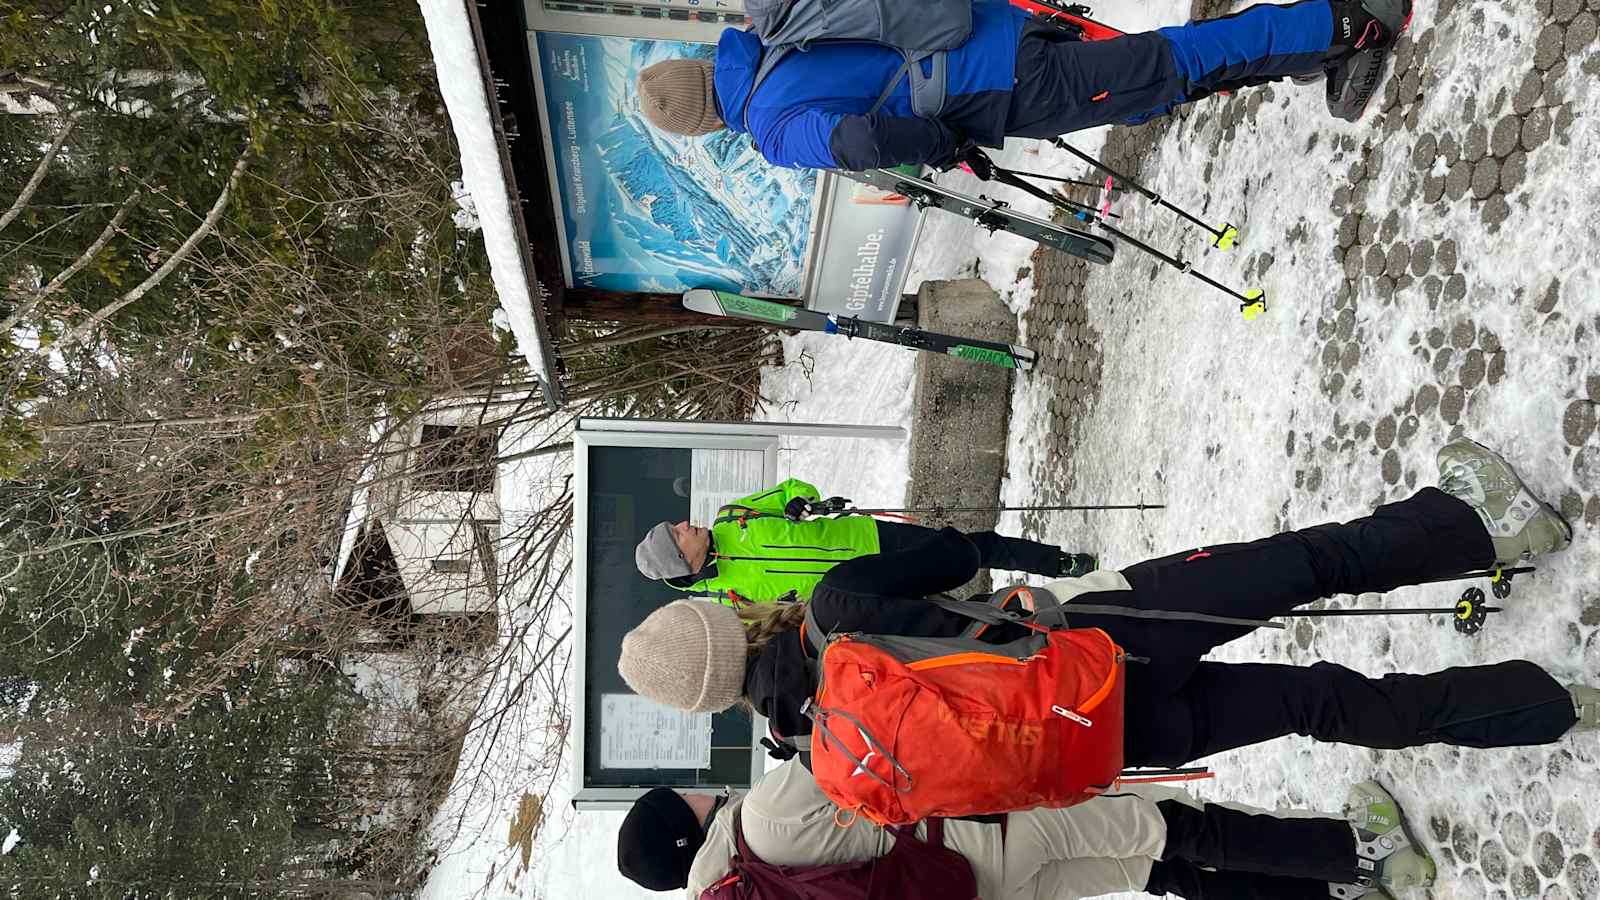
<point x="658" y="841"/>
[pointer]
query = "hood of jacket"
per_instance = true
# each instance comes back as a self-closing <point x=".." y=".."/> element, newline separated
<point x="779" y="681"/>
<point x="738" y="55"/>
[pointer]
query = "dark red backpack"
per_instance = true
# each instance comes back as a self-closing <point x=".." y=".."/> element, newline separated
<point x="927" y="870"/>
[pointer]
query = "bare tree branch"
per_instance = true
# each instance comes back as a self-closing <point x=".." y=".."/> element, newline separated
<point x="626" y="336"/>
<point x="26" y="305"/>
<point x="82" y="332"/>
<point x="28" y="189"/>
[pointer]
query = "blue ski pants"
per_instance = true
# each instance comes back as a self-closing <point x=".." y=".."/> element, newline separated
<point x="1066" y="85"/>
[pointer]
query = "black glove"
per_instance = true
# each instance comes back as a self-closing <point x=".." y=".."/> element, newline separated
<point x="796" y="509"/>
<point x="978" y="163"/>
<point x="955" y="158"/>
<point x="830" y="505"/>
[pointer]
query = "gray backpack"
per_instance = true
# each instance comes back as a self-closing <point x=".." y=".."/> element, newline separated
<point x="921" y="30"/>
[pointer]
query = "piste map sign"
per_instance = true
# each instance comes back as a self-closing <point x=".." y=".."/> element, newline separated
<point x="646" y="211"/>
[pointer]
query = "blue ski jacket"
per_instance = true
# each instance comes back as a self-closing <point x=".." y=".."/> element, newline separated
<point x="811" y="111"/>
<point x="1014" y="76"/>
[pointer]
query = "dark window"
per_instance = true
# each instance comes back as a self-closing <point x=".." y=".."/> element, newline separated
<point x="461" y="565"/>
<point x="456" y="458"/>
<point x="372" y="580"/>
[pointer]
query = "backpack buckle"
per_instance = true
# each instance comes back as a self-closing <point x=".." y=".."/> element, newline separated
<point x="1069" y="714"/>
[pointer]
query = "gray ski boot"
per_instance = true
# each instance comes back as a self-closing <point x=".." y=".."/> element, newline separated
<point x="1364" y="32"/>
<point x="1586" y="703"/>
<point x="1521" y="525"/>
<point x="1389" y="858"/>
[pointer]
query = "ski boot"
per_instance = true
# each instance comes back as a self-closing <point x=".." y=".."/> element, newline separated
<point x="1075" y="565"/>
<point x="1388" y="857"/>
<point x="1586" y="703"/>
<point x="1364" y="32"/>
<point x="1521" y="525"/>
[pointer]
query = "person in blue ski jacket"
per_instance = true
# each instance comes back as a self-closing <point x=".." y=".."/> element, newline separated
<point x="1014" y="76"/>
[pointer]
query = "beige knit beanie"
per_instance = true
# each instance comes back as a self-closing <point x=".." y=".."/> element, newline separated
<point x="676" y="95"/>
<point x="688" y="654"/>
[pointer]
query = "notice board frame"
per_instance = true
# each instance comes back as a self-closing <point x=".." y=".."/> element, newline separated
<point x="591" y="432"/>
<point x="842" y="272"/>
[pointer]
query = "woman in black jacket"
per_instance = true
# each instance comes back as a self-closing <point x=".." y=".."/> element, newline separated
<point x="1179" y="708"/>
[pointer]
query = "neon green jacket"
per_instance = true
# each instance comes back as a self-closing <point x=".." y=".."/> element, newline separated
<point x="761" y="556"/>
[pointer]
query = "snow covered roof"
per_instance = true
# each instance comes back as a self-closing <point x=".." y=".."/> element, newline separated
<point x="464" y="80"/>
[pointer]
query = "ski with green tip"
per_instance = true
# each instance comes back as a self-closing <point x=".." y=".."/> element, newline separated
<point x="724" y="303"/>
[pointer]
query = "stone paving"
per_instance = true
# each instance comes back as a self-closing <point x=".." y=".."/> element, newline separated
<point x="1419" y="202"/>
<point x="1482" y="162"/>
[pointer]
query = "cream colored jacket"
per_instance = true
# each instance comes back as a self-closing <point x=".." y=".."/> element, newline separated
<point x="1100" y="847"/>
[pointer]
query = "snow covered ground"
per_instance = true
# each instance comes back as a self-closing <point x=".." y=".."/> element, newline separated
<point x="1397" y="318"/>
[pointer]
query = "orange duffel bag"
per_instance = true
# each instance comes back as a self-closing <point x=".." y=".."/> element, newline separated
<point x="908" y="728"/>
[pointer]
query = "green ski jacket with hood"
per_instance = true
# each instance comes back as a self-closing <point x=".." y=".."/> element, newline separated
<point x="758" y="556"/>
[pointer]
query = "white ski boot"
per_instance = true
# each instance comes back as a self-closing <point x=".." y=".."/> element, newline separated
<point x="1389" y="858"/>
<point x="1521" y="525"/>
<point x="1586" y="703"/>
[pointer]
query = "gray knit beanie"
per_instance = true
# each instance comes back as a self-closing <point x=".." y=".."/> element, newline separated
<point x="688" y="654"/>
<point x="676" y="95"/>
<point x="658" y="556"/>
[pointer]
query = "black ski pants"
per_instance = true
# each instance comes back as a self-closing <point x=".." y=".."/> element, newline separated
<point x="1218" y="853"/>
<point x="1179" y="708"/>
<point x="995" y="551"/>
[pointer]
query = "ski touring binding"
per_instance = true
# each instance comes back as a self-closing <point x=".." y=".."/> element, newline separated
<point x="995" y="215"/>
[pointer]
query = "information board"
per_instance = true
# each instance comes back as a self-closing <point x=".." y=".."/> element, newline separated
<point x="638" y="733"/>
<point x="629" y="741"/>
<point x="645" y="211"/>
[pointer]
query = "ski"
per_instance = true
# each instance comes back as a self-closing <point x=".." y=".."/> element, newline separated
<point x="994" y="215"/>
<point x="724" y="303"/>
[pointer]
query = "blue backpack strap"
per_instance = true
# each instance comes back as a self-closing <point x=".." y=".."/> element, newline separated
<point x="894" y="82"/>
<point x="770" y="57"/>
<point x="927" y="92"/>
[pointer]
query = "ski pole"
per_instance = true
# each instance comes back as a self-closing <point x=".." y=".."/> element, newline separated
<point x="1499" y="578"/>
<point x="1252" y="303"/>
<point x="1222" y="238"/>
<point x="1175" y="776"/>
<point x="1469" y="614"/>
<point x="1187" y="770"/>
<point x="936" y="510"/>
<point x="1063" y="201"/>
<point x="1385" y="611"/>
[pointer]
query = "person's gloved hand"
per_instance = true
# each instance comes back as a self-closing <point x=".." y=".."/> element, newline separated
<point x="796" y="509"/>
<point x="955" y="158"/>
<point x="830" y="505"/>
<point x="977" y="162"/>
